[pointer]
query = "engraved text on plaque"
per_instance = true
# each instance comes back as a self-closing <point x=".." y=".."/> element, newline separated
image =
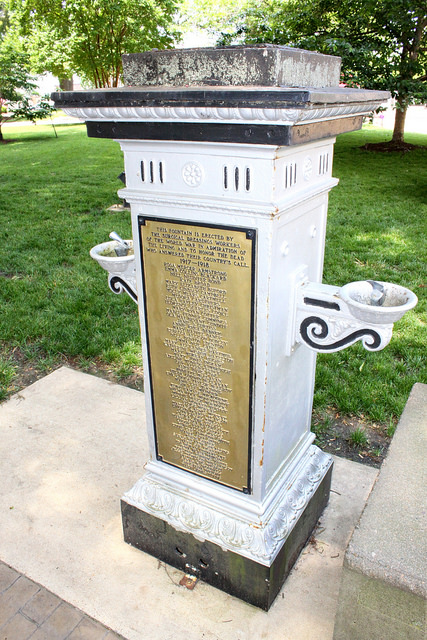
<point x="198" y="290"/>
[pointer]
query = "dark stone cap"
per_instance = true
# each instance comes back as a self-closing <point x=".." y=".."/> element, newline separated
<point x="254" y="65"/>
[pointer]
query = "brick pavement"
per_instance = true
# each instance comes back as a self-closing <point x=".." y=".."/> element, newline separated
<point x="28" y="610"/>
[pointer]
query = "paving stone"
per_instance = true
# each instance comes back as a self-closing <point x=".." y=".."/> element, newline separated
<point x="113" y="636"/>
<point x="18" y="628"/>
<point x="41" y="606"/>
<point x="7" y="576"/>
<point x="16" y="596"/>
<point x="60" y="624"/>
<point x="28" y="610"/>
<point x="88" y="629"/>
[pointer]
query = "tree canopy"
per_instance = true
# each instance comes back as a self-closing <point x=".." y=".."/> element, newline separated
<point x="382" y="43"/>
<point x="14" y="75"/>
<point x="89" y="38"/>
<point x="215" y="18"/>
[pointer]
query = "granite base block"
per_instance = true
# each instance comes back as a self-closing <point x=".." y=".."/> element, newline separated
<point x="237" y="575"/>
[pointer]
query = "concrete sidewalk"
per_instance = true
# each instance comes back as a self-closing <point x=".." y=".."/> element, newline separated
<point x="71" y="444"/>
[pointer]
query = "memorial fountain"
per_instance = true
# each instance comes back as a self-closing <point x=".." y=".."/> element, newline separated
<point x="228" y="161"/>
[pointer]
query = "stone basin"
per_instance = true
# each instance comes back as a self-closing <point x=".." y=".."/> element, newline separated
<point x="377" y="302"/>
<point x="112" y="264"/>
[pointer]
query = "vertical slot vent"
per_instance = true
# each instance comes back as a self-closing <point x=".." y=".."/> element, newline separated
<point x="290" y="174"/>
<point x="323" y="164"/>
<point x="152" y="171"/>
<point x="236" y="178"/>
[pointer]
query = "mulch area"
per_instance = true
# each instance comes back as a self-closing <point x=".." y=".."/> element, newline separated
<point x="337" y="438"/>
<point x="27" y="371"/>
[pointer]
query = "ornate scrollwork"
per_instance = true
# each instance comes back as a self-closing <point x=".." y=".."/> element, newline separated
<point x="118" y="285"/>
<point x="315" y="330"/>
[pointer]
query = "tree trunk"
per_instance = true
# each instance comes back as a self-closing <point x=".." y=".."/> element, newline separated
<point x="66" y="84"/>
<point x="399" y="123"/>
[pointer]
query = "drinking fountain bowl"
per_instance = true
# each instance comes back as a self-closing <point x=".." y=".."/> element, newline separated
<point x="104" y="254"/>
<point x="377" y="302"/>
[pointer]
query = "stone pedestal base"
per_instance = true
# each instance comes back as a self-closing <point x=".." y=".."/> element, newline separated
<point x="240" y="576"/>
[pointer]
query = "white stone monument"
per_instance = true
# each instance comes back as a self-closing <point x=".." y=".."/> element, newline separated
<point x="228" y="160"/>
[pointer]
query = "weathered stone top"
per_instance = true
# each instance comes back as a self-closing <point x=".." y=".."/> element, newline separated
<point x="256" y="94"/>
<point x="244" y="77"/>
<point x="254" y="65"/>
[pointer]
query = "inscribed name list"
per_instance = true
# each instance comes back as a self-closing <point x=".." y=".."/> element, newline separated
<point x="198" y="304"/>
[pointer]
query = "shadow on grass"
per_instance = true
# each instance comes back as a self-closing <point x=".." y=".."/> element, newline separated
<point x="19" y="134"/>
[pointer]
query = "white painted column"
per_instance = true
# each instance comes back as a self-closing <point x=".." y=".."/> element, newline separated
<point x="281" y="193"/>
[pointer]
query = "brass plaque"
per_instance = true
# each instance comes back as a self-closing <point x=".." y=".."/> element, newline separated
<point x="198" y="283"/>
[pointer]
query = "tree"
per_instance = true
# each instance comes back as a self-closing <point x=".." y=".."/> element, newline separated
<point x="4" y="18"/>
<point x="214" y="17"/>
<point x="15" y="79"/>
<point x="89" y="38"/>
<point x="382" y="43"/>
<point x="33" y="110"/>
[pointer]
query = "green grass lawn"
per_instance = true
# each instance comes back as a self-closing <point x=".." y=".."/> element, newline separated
<point x="377" y="228"/>
<point x="54" y="299"/>
<point x="55" y="303"/>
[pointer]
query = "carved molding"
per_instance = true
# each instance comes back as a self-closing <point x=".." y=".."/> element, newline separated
<point x="243" y="200"/>
<point x="221" y="114"/>
<point x="257" y="540"/>
<point x="192" y="174"/>
<point x="184" y="203"/>
<point x="307" y="169"/>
